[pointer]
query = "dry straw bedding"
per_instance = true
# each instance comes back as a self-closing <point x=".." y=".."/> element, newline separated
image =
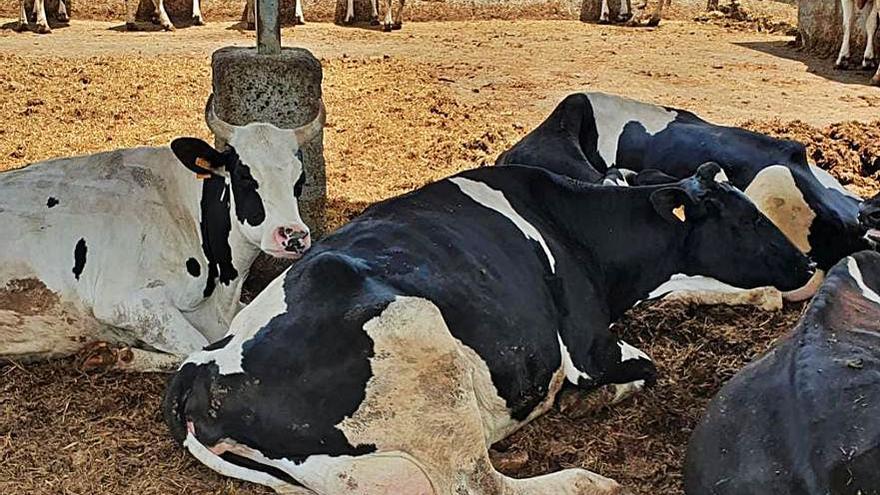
<point x="66" y="432"/>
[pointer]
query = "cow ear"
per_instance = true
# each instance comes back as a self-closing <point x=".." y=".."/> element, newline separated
<point x="671" y="203"/>
<point x="198" y="156"/>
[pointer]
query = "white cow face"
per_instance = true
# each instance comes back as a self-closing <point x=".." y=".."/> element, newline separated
<point x="262" y="168"/>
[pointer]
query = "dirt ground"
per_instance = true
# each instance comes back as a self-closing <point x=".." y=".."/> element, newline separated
<point x="405" y="109"/>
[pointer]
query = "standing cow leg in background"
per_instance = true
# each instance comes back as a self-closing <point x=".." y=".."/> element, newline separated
<point x="197" y="18"/>
<point x="163" y="19"/>
<point x="625" y="13"/>
<point x="22" y="17"/>
<point x="389" y="20"/>
<point x="399" y="15"/>
<point x="62" y="15"/>
<point x="604" y="13"/>
<point x="251" y="18"/>
<point x="843" y="61"/>
<point x="658" y="12"/>
<point x="869" y="61"/>
<point x="40" y="15"/>
<point x="299" y="19"/>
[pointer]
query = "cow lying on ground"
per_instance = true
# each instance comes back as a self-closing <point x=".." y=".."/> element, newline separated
<point x="802" y="419"/>
<point x="588" y="133"/>
<point x="455" y="314"/>
<point x="871" y="10"/>
<point x="131" y="247"/>
<point x="40" y="18"/>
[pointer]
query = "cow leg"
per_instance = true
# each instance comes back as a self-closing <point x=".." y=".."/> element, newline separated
<point x="197" y="18"/>
<point x="843" y="61"/>
<point x="251" y="9"/>
<point x="399" y="15"/>
<point x="374" y="14"/>
<point x="604" y="13"/>
<point x="625" y="14"/>
<point x="62" y="15"/>
<point x="298" y="14"/>
<point x="658" y="12"/>
<point x="869" y="61"/>
<point x="131" y="7"/>
<point x="164" y="21"/>
<point x="150" y="318"/>
<point x="22" y="18"/>
<point x="40" y="11"/>
<point x="389" y="20"/>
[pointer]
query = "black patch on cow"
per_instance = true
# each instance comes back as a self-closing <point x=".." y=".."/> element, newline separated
<point x="193" y="267"/>
<point x="51" y="202"/>
<point x="215" y="226"/>
<point x="220" y="344"/>
<point x="300" y="183"/>
<point x="79" y="258"/>
<point x="248" y="204"/>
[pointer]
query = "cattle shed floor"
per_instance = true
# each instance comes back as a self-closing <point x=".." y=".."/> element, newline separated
<point x="405" y="109"/>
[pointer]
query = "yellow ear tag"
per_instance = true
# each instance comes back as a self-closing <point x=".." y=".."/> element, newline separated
<point x="201" y="162"/>
<point x="202" y="176"/>
<point x="679" y="213"/>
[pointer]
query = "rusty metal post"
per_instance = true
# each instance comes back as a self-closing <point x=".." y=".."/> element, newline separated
<point x="268" y="27"/>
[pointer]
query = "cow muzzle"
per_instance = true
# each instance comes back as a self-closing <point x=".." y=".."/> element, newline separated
<point x="291" y="242"/>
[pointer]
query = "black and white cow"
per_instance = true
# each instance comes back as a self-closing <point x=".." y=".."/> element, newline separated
<point x="399" y="348"/>
<point x="132" y="247"/>
<point x="802" y="419"/>
<point x="389" y="24"/>
<point x="871" y="10"/>
<point x="251" y="18"/>
<point x="589" y="133"/>
<point x="40" y="19"/>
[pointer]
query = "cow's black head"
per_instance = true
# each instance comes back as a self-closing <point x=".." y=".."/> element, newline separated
<point x="727" y="237"/>
<point x="262" y="167"/>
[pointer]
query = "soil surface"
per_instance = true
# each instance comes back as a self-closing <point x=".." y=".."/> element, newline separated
<point x="404" y="109"/>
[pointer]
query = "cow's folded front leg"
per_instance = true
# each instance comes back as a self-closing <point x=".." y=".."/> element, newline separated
<point x="150" y="319"/>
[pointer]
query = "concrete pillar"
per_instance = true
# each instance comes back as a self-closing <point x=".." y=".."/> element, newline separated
<point x="363" y="11"/>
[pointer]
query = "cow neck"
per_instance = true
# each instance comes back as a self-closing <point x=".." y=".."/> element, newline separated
<point x="628" y="244"/>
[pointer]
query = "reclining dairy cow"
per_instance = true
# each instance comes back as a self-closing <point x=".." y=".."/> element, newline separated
<point x="802" y="419"/>
<point x="399" y="348"/>
<point x="589" y="133"/>
<point x="131" y="247"/>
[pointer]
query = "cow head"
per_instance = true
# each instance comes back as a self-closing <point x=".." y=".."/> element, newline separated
<point x="262" y="168"/>
<point x="728" y="238"/>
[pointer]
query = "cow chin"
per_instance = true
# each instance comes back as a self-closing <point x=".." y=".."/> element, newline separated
<point x="283" y="254"/>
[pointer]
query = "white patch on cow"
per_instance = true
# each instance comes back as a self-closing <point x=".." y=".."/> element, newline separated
<point x="721" y="176"/>
<point x="249" y="321"/>
<point x="682" y="282"/>
<point x="226" y="468"/>
<point x="495" y="200"/>
<point x="775" y="193"/>
<point x="854" y="272"/>
<point x="704" y="290"/>
<point x="611" y="114"/>
<point x="624" y="390"/>
<point x="628" y="352"/>
<point x="572" y="374"/>
<point x="830" y="182"/>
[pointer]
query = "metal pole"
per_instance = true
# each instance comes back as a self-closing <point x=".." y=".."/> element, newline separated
<point x="268" y="27"/>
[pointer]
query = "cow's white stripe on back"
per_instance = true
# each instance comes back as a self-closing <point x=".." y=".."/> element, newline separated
<point x="830" y="182"/>
<point x="612" y="113"/>
<point x="495" y="200"/>
<point x="628" y="352"/>
<point x="572" y="374"/>
<point x="682" y="282"/>
<point x="856" y="274"/>
<point x="246" y="324"/>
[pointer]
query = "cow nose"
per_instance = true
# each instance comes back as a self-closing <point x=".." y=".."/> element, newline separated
<point x="293" y="239"/>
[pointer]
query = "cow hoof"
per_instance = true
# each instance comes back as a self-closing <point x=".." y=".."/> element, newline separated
<point x="374" y="21"/>
<point x="299" y="21"/>
<point x="653" y="22"/>
<point x="623" y="18"/>
<point x="62" y="18"/>
<point x="843" y="64"/>
<point x="43" y="29"/>
<point x="198" y="21"/>
<point x="396" y="26"/>
<point x="387" y="28"/>
<point x="869" y="64"/>
<point x="168" y="27"/>
<point x="97" y="356"/>
<point x="250" y="26"/>
<point x="604" y="21"/>
<point x="21" y="27"/>
<point x="875" y="81"/>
